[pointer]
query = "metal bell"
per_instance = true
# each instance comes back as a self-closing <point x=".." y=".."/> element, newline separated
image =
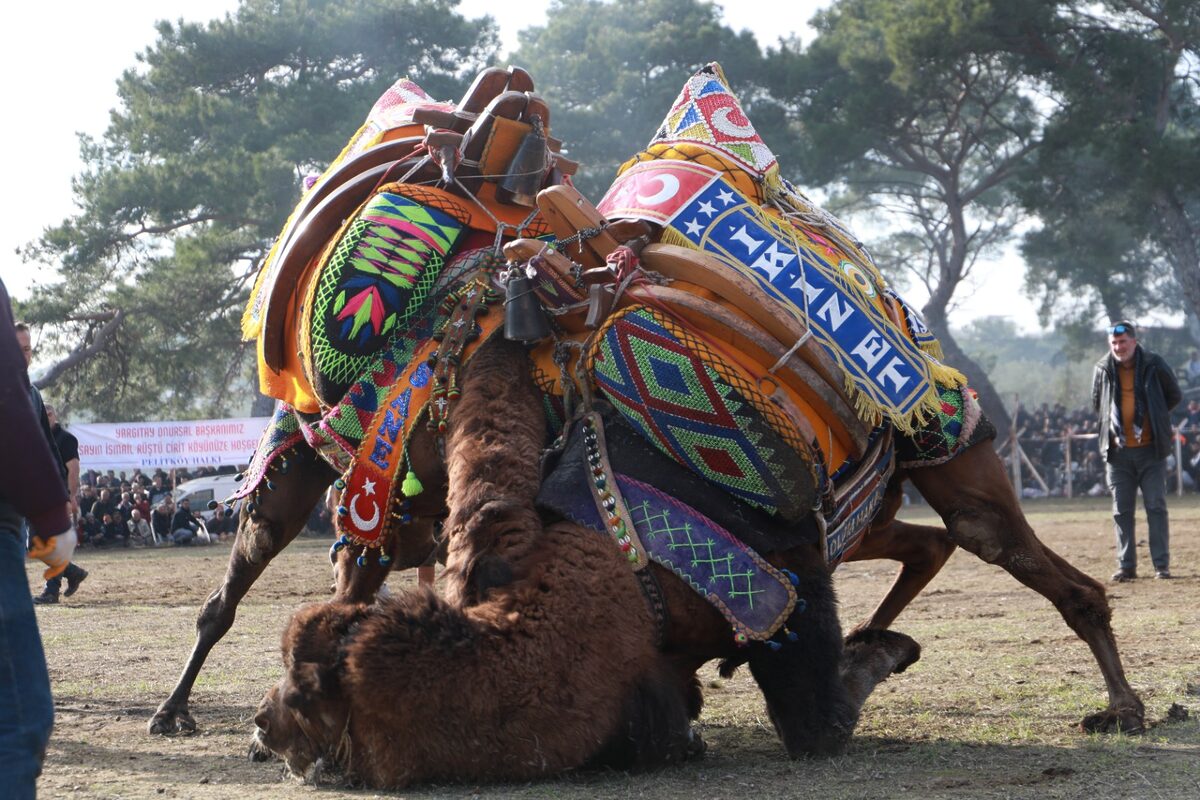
<point x="524" y="318"/>
<point x="526" y="171"/>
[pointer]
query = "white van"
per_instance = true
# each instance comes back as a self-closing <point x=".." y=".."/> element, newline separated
<point x="201" y="490"/>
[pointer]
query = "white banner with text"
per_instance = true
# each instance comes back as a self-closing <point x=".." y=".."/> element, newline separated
<point x="195" y="443"/>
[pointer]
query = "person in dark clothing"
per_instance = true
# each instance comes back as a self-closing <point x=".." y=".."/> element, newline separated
<point x="32" y="487"/>
<point x="160" y="520"/>
<point x="104" y="505"/>
<point x="68" y="452"/>
<point x="1133" y="392"/>
<point x="184" y="525"/>
<point x="114" y="529"/>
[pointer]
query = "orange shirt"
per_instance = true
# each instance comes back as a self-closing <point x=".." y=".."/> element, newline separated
<point x="1126" y="380"/>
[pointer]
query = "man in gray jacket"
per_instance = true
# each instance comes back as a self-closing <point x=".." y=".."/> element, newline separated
<point x="1133" y="391"/>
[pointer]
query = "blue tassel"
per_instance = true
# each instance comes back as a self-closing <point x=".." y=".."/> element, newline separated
<point x="775" y="646"/>
<point x="361" y="561"/>
<point x="343" y="511"/>
<point x="212" y="505"/>
<point x="385" y="559"/>
<point x="801" y="605"/>
<point x="283" y="467"/>
<point x="339" y="484"/>
<point x="338" y="545"/>
<point x="792" y="636"/>
<point x="241" y="476"/>
<point x="271" y="486"/>
<point x="791" y="576"/>
<point x="250" y="508"/>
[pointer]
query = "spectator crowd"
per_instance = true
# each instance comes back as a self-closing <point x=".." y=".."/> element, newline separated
<point x="1046" y="433"/>
<point x="138" y="509"/>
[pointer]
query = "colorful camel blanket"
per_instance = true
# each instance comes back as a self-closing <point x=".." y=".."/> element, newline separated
<point x="711" y="183"/>
<point x="645" y="522"/>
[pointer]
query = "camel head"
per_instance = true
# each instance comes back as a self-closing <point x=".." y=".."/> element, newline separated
<point x="303" y="718"/>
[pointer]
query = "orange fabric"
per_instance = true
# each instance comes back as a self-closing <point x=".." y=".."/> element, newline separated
<point x="1127" y="379"/>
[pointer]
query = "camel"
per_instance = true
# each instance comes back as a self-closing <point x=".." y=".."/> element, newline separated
<point x="543" y="654"/>
<point x="970" y="492"/>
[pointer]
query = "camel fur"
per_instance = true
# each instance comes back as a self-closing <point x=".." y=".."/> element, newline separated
<point x="555" y="670"/>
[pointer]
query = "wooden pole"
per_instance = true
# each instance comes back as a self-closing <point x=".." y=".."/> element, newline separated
<point x="1067" y="461"/>
<point x="1178" y="465"/>
<point x="1015" y="451"/>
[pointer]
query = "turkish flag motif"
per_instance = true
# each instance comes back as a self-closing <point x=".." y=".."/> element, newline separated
<point x="655" y="190"/>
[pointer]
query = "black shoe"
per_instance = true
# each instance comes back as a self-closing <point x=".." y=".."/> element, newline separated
<point x="73" y="583"/>
<point x="1163" y="574"/>
<point x="45" y="599"/>
<point x="1123" y="575"/>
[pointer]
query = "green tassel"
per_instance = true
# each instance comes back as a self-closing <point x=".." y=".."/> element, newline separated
<point x="412" y="485"/>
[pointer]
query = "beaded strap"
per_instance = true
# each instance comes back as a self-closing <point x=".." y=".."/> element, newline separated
<point x="607" y="496"/>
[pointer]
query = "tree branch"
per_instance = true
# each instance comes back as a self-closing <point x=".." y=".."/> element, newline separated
<point x="84" y="351"/>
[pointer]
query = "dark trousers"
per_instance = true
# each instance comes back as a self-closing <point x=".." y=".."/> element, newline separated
<point x="72" y="572"/>
<point x="1130" y="469"/>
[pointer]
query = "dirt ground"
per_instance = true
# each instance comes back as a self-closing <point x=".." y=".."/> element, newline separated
<point x="990" y="711"/>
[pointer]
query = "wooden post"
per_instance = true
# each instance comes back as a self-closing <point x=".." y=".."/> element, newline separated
<point x="1067" y="461"/>
<point x="1178" y="464"/>
<point x="1015" y="450"/>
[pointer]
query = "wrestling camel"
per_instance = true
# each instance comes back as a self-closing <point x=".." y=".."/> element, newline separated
<point x="967" y="487"/>
<point x="548" y="653"/>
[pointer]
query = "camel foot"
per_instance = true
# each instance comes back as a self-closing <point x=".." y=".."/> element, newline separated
<point x="696" y="747"/>
<point x="168" y="720"/>
<point x="258" y="752"/>
<point x="1115" y="720"/>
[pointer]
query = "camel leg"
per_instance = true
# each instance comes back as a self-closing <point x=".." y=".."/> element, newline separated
<point x="981" y="511"/>
<point x="922" y="550"/>
<point x="801" y="682"/>
<point x="493" y="449"/>
<point x="279" y="517"/>
<point x="408" y="547"/>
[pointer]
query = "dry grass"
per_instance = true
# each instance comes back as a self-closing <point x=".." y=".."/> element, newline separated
<point x="989" y="712"/>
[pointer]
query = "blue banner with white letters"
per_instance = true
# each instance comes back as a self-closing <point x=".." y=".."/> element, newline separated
<point x="802" y="272"/>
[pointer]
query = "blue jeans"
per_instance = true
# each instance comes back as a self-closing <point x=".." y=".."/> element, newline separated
<point x="1128" y="469"/>
<point x="26" y="711"/>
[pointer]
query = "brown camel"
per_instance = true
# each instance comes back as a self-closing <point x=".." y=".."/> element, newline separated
<point x="543" y="657"/>
<point x="970" y="492"/>
<point x="491" y="481"/>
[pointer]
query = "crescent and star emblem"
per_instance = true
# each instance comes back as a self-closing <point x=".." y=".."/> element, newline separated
<point x="721" y="121"/>
<point x="669" y="186"/>
<point x="355" y="517"/>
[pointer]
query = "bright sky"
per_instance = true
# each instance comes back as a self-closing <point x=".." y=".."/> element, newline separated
<point x="61" y="62"/>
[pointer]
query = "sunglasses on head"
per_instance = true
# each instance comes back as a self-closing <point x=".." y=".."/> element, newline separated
<point x="1118" y="329"/>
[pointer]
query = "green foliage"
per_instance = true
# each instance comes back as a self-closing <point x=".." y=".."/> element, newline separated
<point x="198" y="170"/>
<point x="610" y="71"/>
<point x="915" y="112"/>
<point x="1117" y="185"/>
<point x="1045" y="367"/>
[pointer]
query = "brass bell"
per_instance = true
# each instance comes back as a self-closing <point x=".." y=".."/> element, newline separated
<point x="524" y="317"/>
<point x="527" y="170"/>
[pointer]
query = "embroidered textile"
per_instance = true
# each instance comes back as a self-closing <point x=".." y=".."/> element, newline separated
<point x="707" y="113"/>
<point x="755" y="222"/>
<point x="858" y="496"/>
<point x="695" y="407"/>
<point x="281" y="433"/>
<point x="751" y="594"/>
<point x="375" y="280"/>
<point x="958" y="424"/>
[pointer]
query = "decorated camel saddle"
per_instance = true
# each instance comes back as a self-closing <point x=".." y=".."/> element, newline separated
<point x="703" y="327"/>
